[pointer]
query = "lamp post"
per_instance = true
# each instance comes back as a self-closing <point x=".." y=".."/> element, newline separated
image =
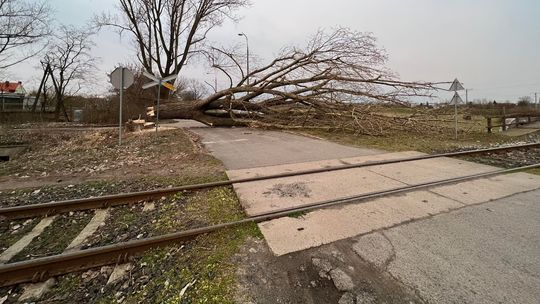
<point x="215" y="81"/>
<point x="247" y="51"/>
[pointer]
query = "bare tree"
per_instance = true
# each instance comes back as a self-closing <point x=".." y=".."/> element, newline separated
<point x="168" y="33"/>
<point x="524" y="101"/>
<point x="332" y="74"/>
<point x="70" y="62"/>
<point x="190" y="89"/>
<point x="23" y="24"/>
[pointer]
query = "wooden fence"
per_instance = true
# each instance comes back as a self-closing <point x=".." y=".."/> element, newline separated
<point x="520" y="119"/>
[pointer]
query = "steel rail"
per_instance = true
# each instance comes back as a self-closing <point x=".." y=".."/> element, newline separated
<point x="42" y="268"/>
<point x="33" y="210"/>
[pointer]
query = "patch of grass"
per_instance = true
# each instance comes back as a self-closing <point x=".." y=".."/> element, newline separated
<point x="205" y="262"/>
<point x="168" y="220"/>
<point x="533" y="171"/>
<point x="298" y="214"/>
<point x="409" y="141"/>
<point x="126" y="218"/>
<point x="67" y="284"/>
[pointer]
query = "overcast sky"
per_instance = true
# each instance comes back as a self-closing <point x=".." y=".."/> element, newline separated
<point x="492" y="46"/>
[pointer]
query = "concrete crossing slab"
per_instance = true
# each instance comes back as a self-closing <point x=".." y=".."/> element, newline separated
<point x="320" y="227"/>
<point x="286" y="235"/>
<point x="269" y="195"/>
<point x="329" y="225"/>
<point x="429" y="170"/>
<point x="380" y="157"/>
<point x="484" y="190"/>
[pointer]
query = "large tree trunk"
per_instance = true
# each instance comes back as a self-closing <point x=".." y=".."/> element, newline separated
<point x="197" y="110"/>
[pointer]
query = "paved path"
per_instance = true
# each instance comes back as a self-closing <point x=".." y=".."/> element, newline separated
<point x="523" y="130"/>
<point x="240" y="148"/>
<point x="471" y="242"/>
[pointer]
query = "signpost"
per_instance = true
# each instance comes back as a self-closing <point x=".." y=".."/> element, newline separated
<point x="456" y="86"/>
<point x="157" y="81"/>
<point x="121" y="78"/>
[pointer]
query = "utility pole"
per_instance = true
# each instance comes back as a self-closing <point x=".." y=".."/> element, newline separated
<point x="467" y="96"/>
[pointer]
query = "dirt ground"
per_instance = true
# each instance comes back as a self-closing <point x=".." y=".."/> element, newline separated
<point x="63" y="157"/>
<point x="318" y="275"/>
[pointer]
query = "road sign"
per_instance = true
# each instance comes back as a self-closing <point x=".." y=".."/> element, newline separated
<point x="456" y="86"/>
<point x="121" y="78"/>
<point x="151" y="76"/>
<point x="116" y="78"/>
<point x="158" y="82"/>
<point x="169" y="86"/>
<point x="456" y="99"/>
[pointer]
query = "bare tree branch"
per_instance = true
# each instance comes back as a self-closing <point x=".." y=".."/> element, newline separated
<point x="333" y="71"/>
<point x="168" y="33"/>
<point x="23" y="26"/>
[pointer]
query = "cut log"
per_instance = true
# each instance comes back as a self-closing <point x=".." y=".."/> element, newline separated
<point x="135" y="125"/>
<point x="196" y="110"/>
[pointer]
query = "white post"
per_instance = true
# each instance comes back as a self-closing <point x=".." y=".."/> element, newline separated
<point x="157" y="110"/>
<point x="247" y="54"/>
<point x="120" y="110"/>
<point x="455" y="113"/>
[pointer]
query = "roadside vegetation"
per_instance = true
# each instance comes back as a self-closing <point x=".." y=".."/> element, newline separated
<point x="472" y="134"/>
<point x="89" y="163"/>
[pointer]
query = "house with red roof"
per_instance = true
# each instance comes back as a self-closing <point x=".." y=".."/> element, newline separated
<point x="12" y="96"/>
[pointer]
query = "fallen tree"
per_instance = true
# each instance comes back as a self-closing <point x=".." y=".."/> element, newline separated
<point x="337" y="75"/>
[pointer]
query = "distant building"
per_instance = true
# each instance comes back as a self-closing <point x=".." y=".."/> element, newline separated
<point x="12" y="96"/>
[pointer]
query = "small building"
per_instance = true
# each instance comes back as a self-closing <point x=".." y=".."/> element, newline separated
<point x="12" y="96"/>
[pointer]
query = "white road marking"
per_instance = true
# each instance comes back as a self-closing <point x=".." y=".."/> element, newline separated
<point x="224" y="141"/>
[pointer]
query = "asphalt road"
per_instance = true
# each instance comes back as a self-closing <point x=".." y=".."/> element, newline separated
<point x="241" y="148"/>
<point x="488" y="253"/>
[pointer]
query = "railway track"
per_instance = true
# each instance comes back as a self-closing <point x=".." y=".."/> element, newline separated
<point x="33" y="210"/>
<point x="42" y="268"/>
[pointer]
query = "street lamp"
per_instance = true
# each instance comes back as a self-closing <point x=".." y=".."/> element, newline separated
<point x="215" y="81"/>
<point x="247" y="51"/>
